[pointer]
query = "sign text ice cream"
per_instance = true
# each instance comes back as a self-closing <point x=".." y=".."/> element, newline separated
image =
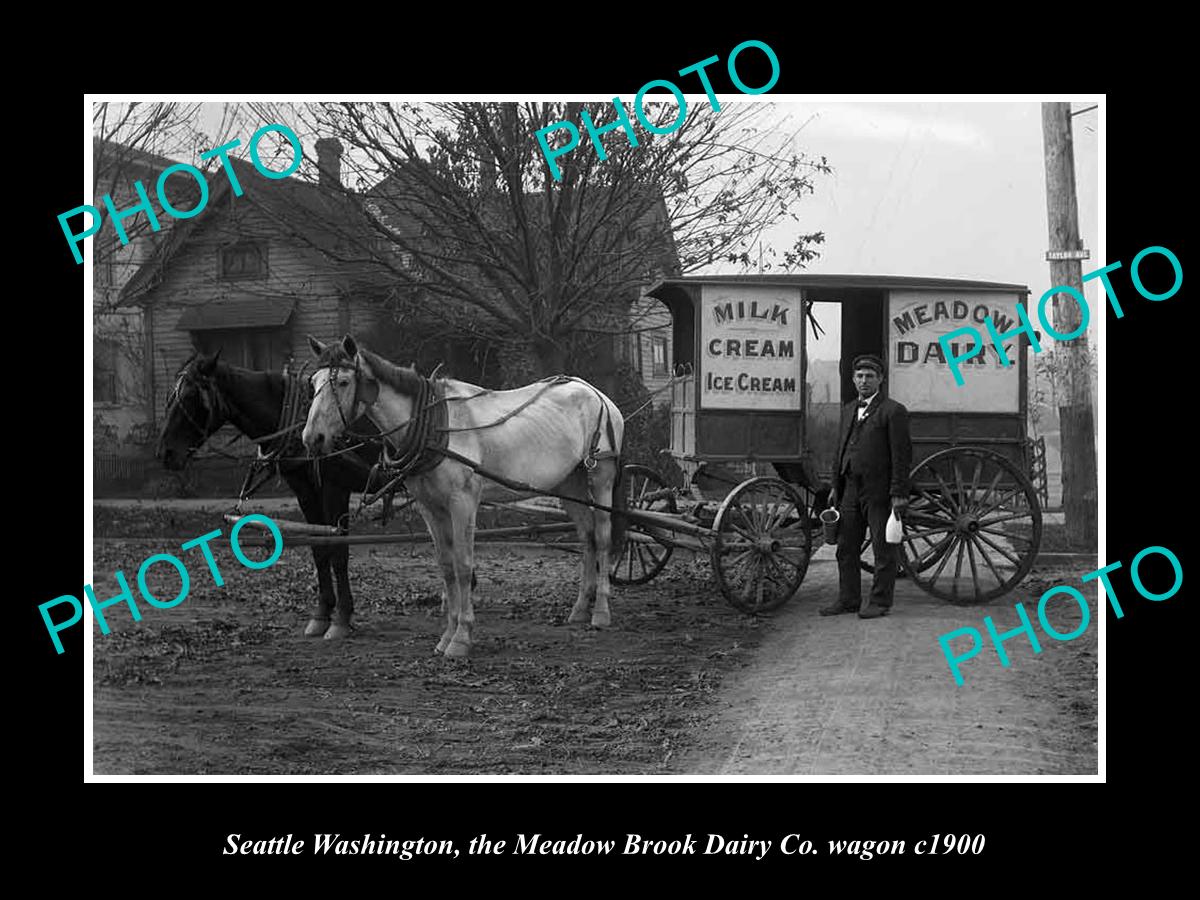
<point x="750" y="345"/>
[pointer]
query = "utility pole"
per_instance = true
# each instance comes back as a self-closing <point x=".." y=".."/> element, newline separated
<point x="1075" y="416"/>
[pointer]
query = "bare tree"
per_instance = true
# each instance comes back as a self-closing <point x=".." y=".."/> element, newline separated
<point x="135" y="142"/>
<point x="463" y="212"/>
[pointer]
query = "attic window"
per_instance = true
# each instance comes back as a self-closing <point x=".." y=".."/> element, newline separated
<point x="245" y="259"/>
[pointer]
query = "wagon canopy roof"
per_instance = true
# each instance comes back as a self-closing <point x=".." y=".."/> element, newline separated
<point x="808" y="280"/>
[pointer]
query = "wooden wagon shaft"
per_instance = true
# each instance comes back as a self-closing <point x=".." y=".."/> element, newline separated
<point x="323" y="540"/>
<point x="287" y="527"/>
<point x="667" y="521"/>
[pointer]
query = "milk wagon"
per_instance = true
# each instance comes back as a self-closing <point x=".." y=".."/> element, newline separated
<point x="743" y="405"/>
<point x="751" y="434"/>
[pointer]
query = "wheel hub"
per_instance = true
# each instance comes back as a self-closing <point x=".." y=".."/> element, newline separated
<point x="967" y="523"/>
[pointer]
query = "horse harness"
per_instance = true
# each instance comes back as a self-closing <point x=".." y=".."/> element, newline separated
<point x="284" y="442"/>
<point x="214" y="403"/>
<point x="427" y="439"/>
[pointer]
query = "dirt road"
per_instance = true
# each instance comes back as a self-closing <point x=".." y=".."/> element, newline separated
<point x="844" y="696"/>
<point x="681" y="684"/>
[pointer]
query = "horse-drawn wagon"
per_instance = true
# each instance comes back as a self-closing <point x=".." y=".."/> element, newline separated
<point x="742" y="403"/>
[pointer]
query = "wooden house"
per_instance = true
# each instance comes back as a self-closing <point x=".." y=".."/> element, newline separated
<point x="253" y="275"/>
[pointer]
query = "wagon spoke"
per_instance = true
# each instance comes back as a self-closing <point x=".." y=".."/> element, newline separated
<point x="937" y="502"/>
<point x="946" y="492"/>
<point x="753" y="581"/>
<point x="1008" y="535"/>
<point x="739" y="562"/>
<point x="946" y="558"/>
<point x="1016" y="515"/>
<point x="976" y="474"/>
<point x="928" y="531"/>
<point x="923" y="558"/>
<point x="783" y="558"/>
<point x="644" y="552"/>
<point x="1012" y="559"/>
<point x="991" y="487"/>
<point x="752" y="526"/>
<point x="758" y="511"/>
<point x="752" y="538"/>
<point x="958" y="481"/>
<point x="999" y="503"/>
<point x="974" y="571"/>
<point x="642" y="493"/>
<point x="778" y="521"/>
<point x="1000" y="580"/>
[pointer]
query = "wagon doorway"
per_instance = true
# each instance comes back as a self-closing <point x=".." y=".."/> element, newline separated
<point x="844" y="323"/>
<point x="823" y="385"/>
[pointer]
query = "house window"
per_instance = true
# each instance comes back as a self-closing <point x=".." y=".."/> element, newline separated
<point x="104" y="251"/>
<point x="658" y="349"/>
<point x="251" y="348"/>
<point x="245" y="259"/>
<point x="105" y="355"/>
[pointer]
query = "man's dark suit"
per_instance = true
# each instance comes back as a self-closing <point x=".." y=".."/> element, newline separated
<point x="873" y="465"/>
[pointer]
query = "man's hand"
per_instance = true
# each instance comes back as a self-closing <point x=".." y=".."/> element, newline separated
<point x="899" y="505"/>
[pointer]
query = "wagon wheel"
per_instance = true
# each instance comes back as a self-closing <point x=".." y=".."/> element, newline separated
<point x="761" y="545"/>
<point x="639" y="561"/>
<point x="973" y="525"/>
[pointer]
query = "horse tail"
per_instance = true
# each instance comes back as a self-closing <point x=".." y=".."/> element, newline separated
<point x="620" y="502"/>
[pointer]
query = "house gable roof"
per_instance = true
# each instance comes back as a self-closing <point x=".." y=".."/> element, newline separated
<point x="327" y="223"/>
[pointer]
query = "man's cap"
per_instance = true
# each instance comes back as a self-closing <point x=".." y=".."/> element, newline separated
<point x="869" y="361"/>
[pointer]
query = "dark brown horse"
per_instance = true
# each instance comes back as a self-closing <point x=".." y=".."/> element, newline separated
<point x="207" y="395"/>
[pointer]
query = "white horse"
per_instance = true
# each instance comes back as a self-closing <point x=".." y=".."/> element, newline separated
<point x="561" y="435"/>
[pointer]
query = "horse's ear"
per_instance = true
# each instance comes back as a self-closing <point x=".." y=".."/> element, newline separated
<point x="350" y="346"/>
<point x="363" y="363"/>
<point x="317" y="347"/>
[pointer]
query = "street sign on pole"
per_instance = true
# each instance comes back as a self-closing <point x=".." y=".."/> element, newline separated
<point x="1052" y="255"/>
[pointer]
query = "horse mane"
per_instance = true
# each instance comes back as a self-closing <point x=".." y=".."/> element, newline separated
<point x="404" y="379"/>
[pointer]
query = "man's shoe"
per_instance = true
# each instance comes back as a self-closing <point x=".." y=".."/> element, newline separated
<point x="874" y="612"/>
<point x="836" y="609"/>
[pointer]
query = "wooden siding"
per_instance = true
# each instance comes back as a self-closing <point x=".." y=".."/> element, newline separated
<point x="294" y="271"/>
<point x="649" y="319"/>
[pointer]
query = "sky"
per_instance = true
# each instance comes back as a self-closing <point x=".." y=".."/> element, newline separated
<point x="936" y="189"/>
<point x="951" y="190"/>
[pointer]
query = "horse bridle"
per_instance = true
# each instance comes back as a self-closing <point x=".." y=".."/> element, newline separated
<point x="373" y="391"/>
<point x="209" y="395"/>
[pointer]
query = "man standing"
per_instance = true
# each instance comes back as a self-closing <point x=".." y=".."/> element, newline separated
<point x="871" y="479"/>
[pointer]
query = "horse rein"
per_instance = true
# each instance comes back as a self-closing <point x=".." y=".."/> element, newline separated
<point x="334" y="368"/>
<point x="213" y="401"/>
<point x="418" y="451"/>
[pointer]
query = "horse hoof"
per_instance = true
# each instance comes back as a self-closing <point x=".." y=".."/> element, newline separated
<point x="337" y="631"/>
<point x="577" y="617"/>
<point x="441" y="646"/>
<point x="316" y="627"/>
<point x="458" y="650"/>
<point x="601" y="620"/>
